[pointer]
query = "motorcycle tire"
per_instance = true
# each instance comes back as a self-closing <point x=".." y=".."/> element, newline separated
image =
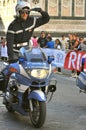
<point x="38" y="115"/>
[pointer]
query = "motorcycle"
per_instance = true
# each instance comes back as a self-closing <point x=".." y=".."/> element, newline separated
<point x="81" y="79"/>
<point x="28" y="83"/>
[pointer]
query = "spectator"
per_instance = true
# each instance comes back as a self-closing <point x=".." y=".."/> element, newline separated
<point x="4" y="54"/>
<point x="34" y="41"/>
<point x="42" y="40"/>
<point x="64" y="42"/>
<point x="74" y="46"/>
<point x="75" y="42"/>
<point x="1" y="40"/>
<point x="69" y="42"/>
<point x="49" y="35"/>
<point x="58" y="46"/>
<point x="50" y="43"/>
<point x="82" y="47"/>
<point x="81" y="40"/>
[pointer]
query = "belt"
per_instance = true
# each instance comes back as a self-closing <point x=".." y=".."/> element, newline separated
<point x="20" y="44"/>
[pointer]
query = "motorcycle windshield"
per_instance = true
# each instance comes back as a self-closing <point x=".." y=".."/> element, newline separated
<point x="35" y="55"/>
<point x="35" y="58"/>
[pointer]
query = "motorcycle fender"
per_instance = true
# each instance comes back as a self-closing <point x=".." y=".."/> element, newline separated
<point x="38" y="95"/>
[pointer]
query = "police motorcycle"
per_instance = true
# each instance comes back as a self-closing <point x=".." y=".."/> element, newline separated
<point x="28" y="83"/>
<point x="81" y="79"/>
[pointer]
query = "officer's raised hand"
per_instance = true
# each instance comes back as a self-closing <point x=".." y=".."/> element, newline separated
<point x="37" y="9"/>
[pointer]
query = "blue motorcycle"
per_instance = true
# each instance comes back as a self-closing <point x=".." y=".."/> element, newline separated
<point x="81" y="79"/>
<point x="28" y="83"/>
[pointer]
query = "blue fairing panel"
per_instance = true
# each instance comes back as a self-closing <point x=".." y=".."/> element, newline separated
<point x="13" y="65"/>
<point x="16" y="66"/>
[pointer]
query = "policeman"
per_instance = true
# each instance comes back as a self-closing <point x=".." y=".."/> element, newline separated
<point x="21" y="29"/>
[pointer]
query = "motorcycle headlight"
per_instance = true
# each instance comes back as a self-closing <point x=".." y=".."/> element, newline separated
<point x="39" y="73"/>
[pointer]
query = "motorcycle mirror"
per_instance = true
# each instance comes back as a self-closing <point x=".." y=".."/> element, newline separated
<point x="50" y="59"/>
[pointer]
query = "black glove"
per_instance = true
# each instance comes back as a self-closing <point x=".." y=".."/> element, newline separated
<point x="37" y="9"/>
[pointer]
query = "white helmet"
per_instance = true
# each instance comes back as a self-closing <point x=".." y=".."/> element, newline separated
<point x="20" y="6"/>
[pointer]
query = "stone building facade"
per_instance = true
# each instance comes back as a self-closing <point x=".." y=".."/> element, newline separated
<point x="66" y="16"/>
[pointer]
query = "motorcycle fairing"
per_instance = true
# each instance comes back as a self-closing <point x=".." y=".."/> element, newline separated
<point x="13" y="81"/>
<point x="38" y="95"/>
<point x="16" y="66"/>
<point x="22" y="79"/>
<point x="32" y="82"/>
<point x="8" y="68"/>
<point x="81" y="81"/>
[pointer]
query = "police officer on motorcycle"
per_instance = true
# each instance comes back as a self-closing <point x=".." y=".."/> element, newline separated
<point x="20" y="30"/>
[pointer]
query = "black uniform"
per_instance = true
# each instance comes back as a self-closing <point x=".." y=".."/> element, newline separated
<point x="20" y="31"/>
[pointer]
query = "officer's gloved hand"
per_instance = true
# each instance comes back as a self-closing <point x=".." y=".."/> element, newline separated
<point x="37" y="9"/>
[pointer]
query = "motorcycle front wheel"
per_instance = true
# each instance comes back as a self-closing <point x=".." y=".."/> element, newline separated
<point x="38" y="114"/>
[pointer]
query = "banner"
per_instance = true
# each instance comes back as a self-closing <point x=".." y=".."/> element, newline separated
<point x="59" y="56"/>
<point x="73" y="60"/>
<point x="70" y="61"/>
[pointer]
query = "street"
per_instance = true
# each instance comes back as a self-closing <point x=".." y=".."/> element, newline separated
<point x="66" y="111"/>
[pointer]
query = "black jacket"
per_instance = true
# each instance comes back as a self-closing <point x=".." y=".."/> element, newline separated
<point x="20" y="31"/>
<point x="42" y="41"/>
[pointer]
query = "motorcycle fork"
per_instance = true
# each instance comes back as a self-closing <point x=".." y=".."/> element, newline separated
<point x="30" y="102"/>
<point x="46" y="89"/>
<point x="31" y="105"/>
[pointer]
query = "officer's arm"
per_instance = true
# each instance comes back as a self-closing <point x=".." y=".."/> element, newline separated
<point x="43" y="19"/>
<point x="10" y="41"/>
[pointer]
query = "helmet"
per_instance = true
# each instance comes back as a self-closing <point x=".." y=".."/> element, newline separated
<point x="21" y="5"/>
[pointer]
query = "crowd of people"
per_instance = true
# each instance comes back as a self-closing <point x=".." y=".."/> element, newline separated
<point x="66" y="43"/>
<point x="45" y="40"/>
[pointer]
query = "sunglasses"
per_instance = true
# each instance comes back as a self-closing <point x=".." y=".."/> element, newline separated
<point x="24" y="12"/>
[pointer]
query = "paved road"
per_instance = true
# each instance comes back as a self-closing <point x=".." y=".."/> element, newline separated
<point x="66" y="111"/>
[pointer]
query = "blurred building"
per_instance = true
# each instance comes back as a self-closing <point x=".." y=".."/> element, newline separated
<point x="67" y="16"/>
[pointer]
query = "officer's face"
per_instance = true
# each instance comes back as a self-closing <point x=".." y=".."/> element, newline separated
<point x="24" y="14"/>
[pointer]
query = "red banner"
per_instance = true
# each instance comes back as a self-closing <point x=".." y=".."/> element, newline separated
<point x="73" y="60"/>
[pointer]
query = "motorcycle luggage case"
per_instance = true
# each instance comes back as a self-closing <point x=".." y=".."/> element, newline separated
<point x="81" y="81"/>
<point x="2" y="81"/>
